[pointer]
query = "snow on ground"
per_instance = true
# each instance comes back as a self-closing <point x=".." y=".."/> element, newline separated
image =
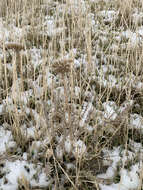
<point x="21" y="169"/>
<point x="129" y="180"/>
<point x="6" y="140"/>
<point x="34" y="116"/>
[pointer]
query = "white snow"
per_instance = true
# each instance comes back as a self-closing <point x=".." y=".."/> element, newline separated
<point x="109" y="15"/>
<point x="6" y="140"/>
<point x="17" y="169"/>
<point x="118" y="157"/>
<point x="134" y="37"/>
<point x="13" y="171"/>
<point x="79" y="148"/>
<point x="136" y="121"/>
<point x="59" y="152"/>
<point x="129" y="179"/>
<point x="77" y="91"/>
<point x="36" y="58"/>
<point x="68" y="145"/>
<point x="30" y="132"/>
<point x="34" y="148"/>
<point x="1" y="108"/>
<point x="137" y="17"/>
<point x="110" y="110"/>
<point x="43" y="181"/>
<point x="87" y="109"/>
<point x="70" y="166"/>
<point x="115" y="158"/>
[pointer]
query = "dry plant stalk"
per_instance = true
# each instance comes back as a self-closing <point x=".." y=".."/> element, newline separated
<point x="1" y="70"/>
<point x="88" y="45"/>
<point x="16" y="47"/>
<point x="63" y="67"/>
<point x="23" y="183"/>
<point x="48" y="169"/>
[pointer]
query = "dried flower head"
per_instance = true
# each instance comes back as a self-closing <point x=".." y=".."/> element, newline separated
<point x="13" y="45"/>
<point x="62" y="66"/>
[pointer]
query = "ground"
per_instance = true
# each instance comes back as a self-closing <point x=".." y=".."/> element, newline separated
<point x="71" y="95"/>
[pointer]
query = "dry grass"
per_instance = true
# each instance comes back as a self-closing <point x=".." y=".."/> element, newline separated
<point x="65" y="107"/>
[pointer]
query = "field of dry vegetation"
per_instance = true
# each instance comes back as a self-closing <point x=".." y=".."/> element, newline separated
<point x="71" y="94"/>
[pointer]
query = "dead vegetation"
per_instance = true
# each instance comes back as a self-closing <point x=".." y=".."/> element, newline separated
<point x="60" y="74"/>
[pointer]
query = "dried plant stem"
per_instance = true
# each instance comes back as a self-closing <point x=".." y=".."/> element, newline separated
<point x="88" y="45"/>
<point x="74" y="186"/>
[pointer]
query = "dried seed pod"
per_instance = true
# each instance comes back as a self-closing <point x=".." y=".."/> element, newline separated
<point x="62" y="66"/>
<point x="13" y="45"/>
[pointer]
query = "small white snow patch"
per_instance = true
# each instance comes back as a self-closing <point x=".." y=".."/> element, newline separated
<point x="25" y="156"/>
<point x="30" y="132"/>
<point x="136" y="121"/>
<point x="130" y="180"/>
<point x="89" y="128"/>
<point x="87" y="109"/>
<point x="133" y="37"/>
<point x="1" y="108"/>
<point x="43" y="180"/>
<point x="59" y="152"/>
<point x="115" y="158"/>
<point x="79" y="148"/>
<point x="77" y="91"/>
<point x="110" y="110"/>
<point x="70" y="166"/>
<point x="68" y="145"/>
<point x="34" y="148"/>
<point x="109" y="15"/>
<point x="6" y="140"/>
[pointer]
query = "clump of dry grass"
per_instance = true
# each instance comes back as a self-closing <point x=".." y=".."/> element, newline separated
<point x="23" y="183"/>
<point x="125" y="12"/>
